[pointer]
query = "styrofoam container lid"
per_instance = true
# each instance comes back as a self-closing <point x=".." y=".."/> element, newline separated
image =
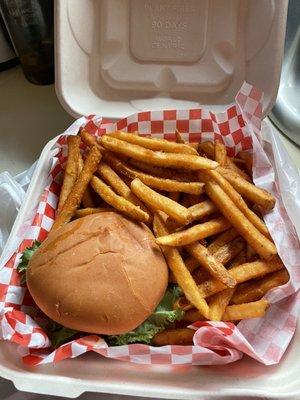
<point x="117" y="57"/>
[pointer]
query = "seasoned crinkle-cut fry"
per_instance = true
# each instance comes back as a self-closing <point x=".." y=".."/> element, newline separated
<point x="160" y="202"/>
<point x="71" y="170"/>
<point x="248" y="190"/>
<point x="222" y="239"/>
<point x="262" y="245"/>
<point x="118" y="202"/>
<point x="211" y="264"/>
<point x="169" y="185"/>
<point x="158" y="158"/>
<point x="242" y="273"/>
<point x="196" y="232"/>
<point x="255" y="290"/>
<point x="119" y="186"/>
<point x="255" y="309"/>
<point x="203" y="209"/>
<point x="154" y="144"/>
<point x="179" y="336"/>
<point x="208" y="176"/>
<point x="75" y="197"/>
<point x="230" y="250"/>
<point x="218" y="303"/>
<point x="181" y="273"/>
<point x="220" y="154"/>
<point x="83" y="212"/>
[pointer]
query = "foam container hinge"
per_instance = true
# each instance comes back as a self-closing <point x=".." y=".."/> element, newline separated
<point x="117" y="57"/>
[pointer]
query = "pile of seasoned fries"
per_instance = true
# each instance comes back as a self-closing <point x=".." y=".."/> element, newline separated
<point x="203" y="209"/>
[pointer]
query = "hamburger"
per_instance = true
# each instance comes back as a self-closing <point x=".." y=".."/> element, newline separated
<point x="103" y="274"/>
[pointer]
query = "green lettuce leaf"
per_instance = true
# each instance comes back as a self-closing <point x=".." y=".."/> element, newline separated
<point x="58" y="334"/>
<point x="26" y="256"/>
<point x="163" y="316"/>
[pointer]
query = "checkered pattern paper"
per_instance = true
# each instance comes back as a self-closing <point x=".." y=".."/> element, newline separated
<point x="264" y="339"/>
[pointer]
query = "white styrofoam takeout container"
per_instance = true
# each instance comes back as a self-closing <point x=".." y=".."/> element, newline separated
<point x="100" y="56"/>
<point x="117" y="57"/>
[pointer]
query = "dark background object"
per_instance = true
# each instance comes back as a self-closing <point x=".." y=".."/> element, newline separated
<point x="8" y="57"/>
<point x="30" y="25"/>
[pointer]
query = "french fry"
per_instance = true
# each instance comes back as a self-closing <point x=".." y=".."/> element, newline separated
<point x="88" y="139"/>
<point x="238" y="260"/>
<point x="242" y="273"/>
<point x="169" y="185"/>
<point x="231" y="166"/>
<point x="177" y="266"/>
<point x="229" y="251"/>
<point x="74" y="199"/>
<point x="119" y="186"/>
<point x="160" y="202"/>
<point x="154" y="144"/>
<point x="255" y="290"/>
<point x="255" y="309"/>
<point x="202" y="209"/>
<point x="233" y="312"/>
<point x="211" y="264"/>
<point x="174" y="196"/>
<point x="248" y="190"/>
<point x="220" y="154"/>
<point x="196" y="232"/>
<point x="201" y="275"/>
<point x="71" y="170"/>
<point x="193" y="199"/>
<point x="209" y="149"/>
<point x="83" y="212"/>
<point x="161" y="172"/>
<point x="178" y="137"/>
<point x="191" y="264"/>
<point x="222" y="239"/>
<point x="208" y="176"/>
<point x="263" y="246"/>
<point x="251" y="255"/>
<point x="192" y="316"/>
<point x="158" y="158"/>
<point x="185" y="201"/>
<point x="248" y="158"/>
<point x="180" y="336"/>
<point x="118" y="202"/>
<point x="87" y="199"/>
<point x="218" y="303"/>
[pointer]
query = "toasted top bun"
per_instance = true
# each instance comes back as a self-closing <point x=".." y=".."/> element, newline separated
<point x="100" y="274"/>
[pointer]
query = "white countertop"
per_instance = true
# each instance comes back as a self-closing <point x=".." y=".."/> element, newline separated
<point x="31" y="115"/>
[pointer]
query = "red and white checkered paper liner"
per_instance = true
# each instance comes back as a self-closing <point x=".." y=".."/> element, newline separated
<point x="264" y="339"/>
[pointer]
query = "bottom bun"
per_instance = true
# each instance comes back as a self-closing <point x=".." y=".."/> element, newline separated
<point x="100" y="274"/>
